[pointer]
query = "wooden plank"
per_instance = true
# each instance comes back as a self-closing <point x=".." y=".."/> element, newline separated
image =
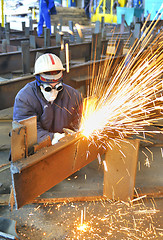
<point x="119" y="177"/>
<point x="38" y="173"/>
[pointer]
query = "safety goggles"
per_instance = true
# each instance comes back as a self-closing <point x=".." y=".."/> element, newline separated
<point x="49" y="88"/>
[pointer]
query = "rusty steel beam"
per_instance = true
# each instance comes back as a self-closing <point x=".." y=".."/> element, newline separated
<point x="10" y="62"/>
<point x="17" y="42"/>
<point x="32" y="175"/>
<point x="9" y="88"/>
<point x="10" y="48"/>
<point x="38" y="173"/>
<point x="21" y="33"/>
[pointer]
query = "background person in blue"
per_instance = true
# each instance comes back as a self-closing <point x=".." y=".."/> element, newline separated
<point x="46" y="8"/>
<point x="55" y="104"/>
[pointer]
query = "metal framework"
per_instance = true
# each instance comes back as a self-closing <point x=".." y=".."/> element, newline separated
<point x="32" y="175"/>
<point x="76" y="78"/>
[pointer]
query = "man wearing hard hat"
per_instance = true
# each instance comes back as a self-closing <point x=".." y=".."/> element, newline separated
<point x="55" y="104"/>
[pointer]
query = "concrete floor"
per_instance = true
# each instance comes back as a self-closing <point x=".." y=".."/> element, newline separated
<point x="105" y="219"/>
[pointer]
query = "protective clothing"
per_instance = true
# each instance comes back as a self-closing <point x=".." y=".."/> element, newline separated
<point x="49" y="96"/>
<point x="49" y="87"/>
<point x="48" y="62"/>
<point x="64" y="112"/>
<point x="48" y="68"/>
<point x="45" y="7"/>
<point x="57" y="137"/>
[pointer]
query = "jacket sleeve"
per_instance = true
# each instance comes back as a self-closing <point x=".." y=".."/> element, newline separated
<point x="22" y="110"/>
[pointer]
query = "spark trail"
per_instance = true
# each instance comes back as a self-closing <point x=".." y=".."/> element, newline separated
<point x="125" y="100"/>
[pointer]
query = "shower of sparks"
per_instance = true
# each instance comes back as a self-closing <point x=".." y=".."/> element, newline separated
<point x="104" y="218"/>
<point x="82" y="227"/>
<point x="125" y="99"/>
<point x="99" y="158"/>
<point x="147" y="162"/>
<point x="162" y="152"/>
<point x="139" y="164"/>
<point x="137" y="199"/>
<point x="70" y="32"/>
<point x="82" y="217"/>
<point x="67" y="57"/>
<point x="62" y="42"/>
<point x="105" y="166"/>
<point x="150" y="152"/>
<point x="78" y="27"/>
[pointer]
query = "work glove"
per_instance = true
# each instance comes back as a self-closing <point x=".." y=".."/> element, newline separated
<point x="57" y="136"/>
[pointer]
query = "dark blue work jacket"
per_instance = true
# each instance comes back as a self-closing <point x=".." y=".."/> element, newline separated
<point x="64" y="112"/>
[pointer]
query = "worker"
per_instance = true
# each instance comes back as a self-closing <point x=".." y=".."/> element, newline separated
<point x="55" y="104"/>
<point x="46" y="9"/>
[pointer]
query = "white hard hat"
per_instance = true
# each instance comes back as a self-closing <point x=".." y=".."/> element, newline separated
<point x="46" y="63"/>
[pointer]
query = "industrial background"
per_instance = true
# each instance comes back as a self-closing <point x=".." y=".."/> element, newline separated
<point x="74" y="189"/>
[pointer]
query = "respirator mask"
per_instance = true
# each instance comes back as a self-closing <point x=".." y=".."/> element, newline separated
<point x="50" y="92"/>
